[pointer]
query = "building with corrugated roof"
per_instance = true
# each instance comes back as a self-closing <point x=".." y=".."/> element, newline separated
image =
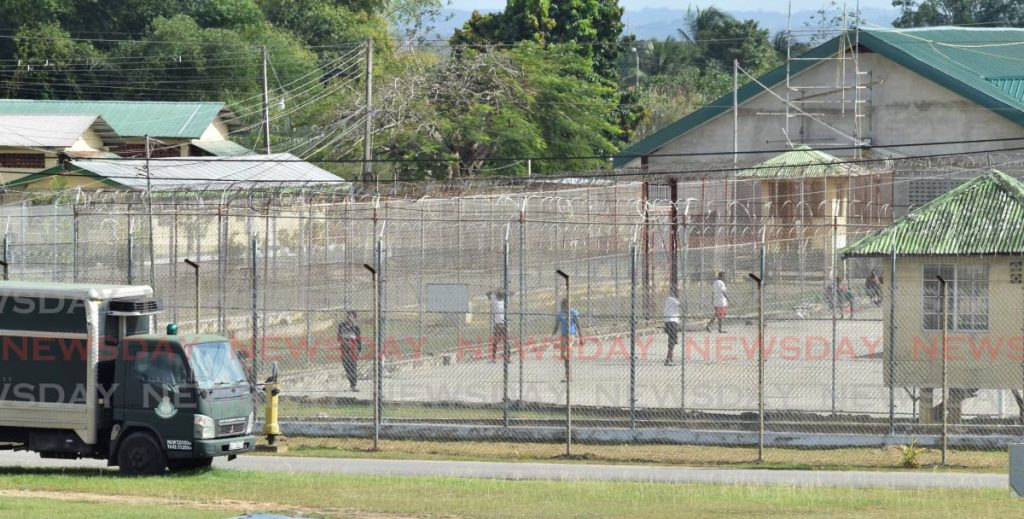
<point x="30" y="143"/>
<point x="279" y="170"/>
<point x="806" y="187"/>
<point x="883" y="89"/>
<point x="972" y="236"/>
<point x="176" y="128"/>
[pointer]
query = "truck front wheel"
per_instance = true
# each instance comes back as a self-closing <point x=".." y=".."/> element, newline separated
<point x="140" y="455"/>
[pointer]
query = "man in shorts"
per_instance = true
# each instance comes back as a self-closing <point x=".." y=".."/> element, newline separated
<point x="719" y="301"/>
<point x="673" y="318"/>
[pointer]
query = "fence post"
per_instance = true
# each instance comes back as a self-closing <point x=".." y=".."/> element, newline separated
<point x="759" y="280"/>
<point x="504" y="335"/>
<point x="522" y="293"/>
<point x="945" y="386"/>
<point x="56" y="254"/>
<point x="836" y="301"/>
<point x="567" y="326"/>
<point x="632" y="335"/>
<point x="222" y="266"/>
<point x="7" y="256"/>
<point x="684" y="298"/>
<point x="253" y="244"/>
<point x="892" y="342"/>
<point x="172" y="264"/>
<point x="131" y="250"/>
<point x="378" y="368"/>
<point x="307" y="247"/>
<point x="74" y="244"/>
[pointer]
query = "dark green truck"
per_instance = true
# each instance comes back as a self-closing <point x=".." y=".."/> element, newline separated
<point x="82" y="375"/>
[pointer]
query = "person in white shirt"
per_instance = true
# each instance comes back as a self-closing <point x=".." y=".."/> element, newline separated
<point x="498" y="330"/>
<point x="720" y="301"/>
<point x="673" y="318"/>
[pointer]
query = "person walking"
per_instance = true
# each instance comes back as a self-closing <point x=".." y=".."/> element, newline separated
<point x="498" y="328"/>
<point x="846" y="299"/>
<point x="720" y="302"/>
<point x="673" y="320"/>
<point x="873" y="288"/>
<point x="832" y="297"/>
<point x="567" y="326"/>
<point x="350" y="339"/>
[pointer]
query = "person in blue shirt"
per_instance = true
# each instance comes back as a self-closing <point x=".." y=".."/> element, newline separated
<point x="561" y="324"/>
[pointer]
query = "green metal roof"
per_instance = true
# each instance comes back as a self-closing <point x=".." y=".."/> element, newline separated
<point x="982" y="216"/>
<point x="223" y="148"/>
<point x="984" y="65"/>
<point x="158" y="119"/>
<point x="802" y="162"/>
<point x="1012" y="86"/>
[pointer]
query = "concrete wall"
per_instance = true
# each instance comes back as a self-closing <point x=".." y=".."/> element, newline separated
<point x="900" y="107"/>
<point x="217" y="131"/>
<point x="991" y="359"/>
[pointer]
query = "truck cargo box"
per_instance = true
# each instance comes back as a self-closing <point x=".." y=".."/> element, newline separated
<point x="52" y="336"/>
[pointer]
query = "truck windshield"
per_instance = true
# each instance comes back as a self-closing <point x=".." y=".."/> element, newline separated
<point x="215" y="365"/>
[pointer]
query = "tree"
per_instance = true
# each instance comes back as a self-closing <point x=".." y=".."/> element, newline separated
<point x="44" y="68"/>
<point x="657" y="58"/>
<point x="722" y="39"/>
<point x="924" y="13"/>
<point x="522" y="101"/>
<point x="594" y="25"/>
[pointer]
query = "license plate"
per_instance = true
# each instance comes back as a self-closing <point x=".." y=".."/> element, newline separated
<point x="234" y="446"/>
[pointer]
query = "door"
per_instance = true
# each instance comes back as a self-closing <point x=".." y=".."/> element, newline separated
<point x="158" y="393"/>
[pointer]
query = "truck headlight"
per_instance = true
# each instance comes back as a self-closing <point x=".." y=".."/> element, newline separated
<point x="250" y="422"/>
<point x="205" y="427"/>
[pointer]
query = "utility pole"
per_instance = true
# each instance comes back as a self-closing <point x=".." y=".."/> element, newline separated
<point x="149" y="215"/>
<point x="264" y="58"/>
<point x="636" y="55"/>
<point x="368" y="127"/>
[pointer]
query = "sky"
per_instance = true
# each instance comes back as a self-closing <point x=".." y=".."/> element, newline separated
<point x="739" y="5"/>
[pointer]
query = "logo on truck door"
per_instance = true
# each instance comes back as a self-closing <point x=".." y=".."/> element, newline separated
<point x="166" y="409"/>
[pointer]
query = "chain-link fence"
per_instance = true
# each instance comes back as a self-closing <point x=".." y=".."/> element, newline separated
<point x="463" y="316"/>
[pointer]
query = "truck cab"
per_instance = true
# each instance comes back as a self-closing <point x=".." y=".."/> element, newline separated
<point x="84" y="375"/>
<point x="188" y="394"/>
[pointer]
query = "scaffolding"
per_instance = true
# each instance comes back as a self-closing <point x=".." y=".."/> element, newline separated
<point x="839" y="105"/>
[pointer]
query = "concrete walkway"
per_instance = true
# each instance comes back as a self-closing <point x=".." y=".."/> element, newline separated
<point x="572" y="472"/>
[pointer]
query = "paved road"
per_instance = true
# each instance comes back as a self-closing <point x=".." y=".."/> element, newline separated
<point x="573" y="472"/>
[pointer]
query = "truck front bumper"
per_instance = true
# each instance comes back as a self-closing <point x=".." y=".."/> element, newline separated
<point x="224" y="446"/>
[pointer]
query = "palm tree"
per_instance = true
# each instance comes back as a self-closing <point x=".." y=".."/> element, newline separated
<point x="699" y="22"/>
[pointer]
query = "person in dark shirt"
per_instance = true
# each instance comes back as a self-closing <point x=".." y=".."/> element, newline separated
<point x="350" y="339"/>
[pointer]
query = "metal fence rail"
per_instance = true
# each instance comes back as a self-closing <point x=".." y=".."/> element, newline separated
<point x="278" y="272"/>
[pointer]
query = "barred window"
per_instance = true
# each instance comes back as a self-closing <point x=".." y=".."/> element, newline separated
<point x="966" y="300"/>
<point x="22" y="160"/>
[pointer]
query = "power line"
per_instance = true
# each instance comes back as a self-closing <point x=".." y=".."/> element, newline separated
<point x="155" y="165"/>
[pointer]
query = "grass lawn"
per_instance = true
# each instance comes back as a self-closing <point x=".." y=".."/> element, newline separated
<point x="100" y="506"/>
<point x="685" y="455"/>
<point x="222" y="493"/>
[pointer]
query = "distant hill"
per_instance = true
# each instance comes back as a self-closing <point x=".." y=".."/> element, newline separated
<point x="658" y="22"/>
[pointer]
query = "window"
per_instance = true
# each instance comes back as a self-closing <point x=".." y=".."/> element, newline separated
<point x="138" y="151"/>
<point x="160" y="367"/>
<point x="22" y="160"/>
<point x="966" y="300"/>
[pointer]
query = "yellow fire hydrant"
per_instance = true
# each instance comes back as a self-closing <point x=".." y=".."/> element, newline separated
<point x="270" y="425"/>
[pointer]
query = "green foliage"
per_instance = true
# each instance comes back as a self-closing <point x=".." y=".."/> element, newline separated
<point x="910" y="455"/>
<point x="723" y="39"/>
<point x="524" y="101"/>
<point x="592" y="29"/>
<point x="923" y="13"/>
<point x="48" y="49"/>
